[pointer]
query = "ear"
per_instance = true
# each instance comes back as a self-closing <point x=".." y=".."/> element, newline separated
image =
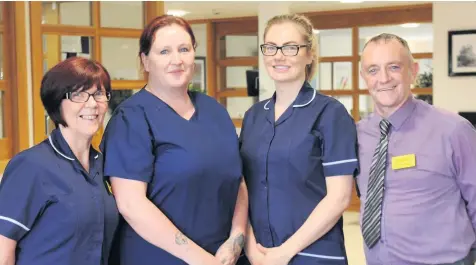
<point x="414" y="68"/>
<point x="145" y="61"/>
<point x="309" y="58"/>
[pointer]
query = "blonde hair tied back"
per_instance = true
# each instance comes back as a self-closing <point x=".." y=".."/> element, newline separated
<point x="308" y="35"/>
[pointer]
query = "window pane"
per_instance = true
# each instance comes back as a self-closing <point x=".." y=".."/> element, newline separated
<point x="237" y="106"/>
<point x="127" y="14"/>
<point x="236" y="76"/>
<point x="366" y="106"/>
<point x="241" y="46"/>
<point x="66" y="13"/>
<point x="419" y="37"/>
<point x="57" y="48"/>
<point x="347" y="101"/>
<point x="342" y="76"/>
<point x="362" y="84"/>
<point x="334" y="76"/>
<point x="119" y="56"/>
<point x="200" y="32"/>
<point x="425" y="73"/>
<point x="198" y="82"/>
<point x="335" y="42"/>
<point x="2" y="118"/>
<point x="117" y="97"/>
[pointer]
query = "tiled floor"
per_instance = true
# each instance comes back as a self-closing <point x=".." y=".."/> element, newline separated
<point x="353" y="239"/>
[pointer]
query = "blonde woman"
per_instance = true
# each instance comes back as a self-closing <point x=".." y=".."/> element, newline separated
<point x="299" y="156"/>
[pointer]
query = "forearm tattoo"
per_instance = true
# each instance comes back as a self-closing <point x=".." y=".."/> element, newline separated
<point x="180" y="239"/>
<point x="238" y="244"/>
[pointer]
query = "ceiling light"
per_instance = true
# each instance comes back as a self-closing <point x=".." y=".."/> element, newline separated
<point x="410" y="25"/>
<point x="177" y="13"/>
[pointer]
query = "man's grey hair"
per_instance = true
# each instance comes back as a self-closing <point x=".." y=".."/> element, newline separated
<point x="386" y="37"/>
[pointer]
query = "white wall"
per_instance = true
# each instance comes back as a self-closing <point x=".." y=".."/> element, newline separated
<point x="451" y="93"/>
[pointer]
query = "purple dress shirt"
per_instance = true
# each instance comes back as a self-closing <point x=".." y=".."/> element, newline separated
<point x="429" y="210"/>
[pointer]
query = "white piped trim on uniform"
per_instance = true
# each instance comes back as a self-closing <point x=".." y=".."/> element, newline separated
<point x="15" y="222"/>
<point x="57" y="151"/>
<point x="320" y="256"/>
<point x="297" y="105"/>
<point x="339" y="162"/>
<point x="266" y="105"/>
<point x="309" y="102"/>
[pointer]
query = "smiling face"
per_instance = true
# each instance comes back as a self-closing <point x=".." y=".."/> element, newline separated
<point x="281" y="68"/>
<point x="389" y="72"/>
<point x="84" y="118"/>
<point x="170" y="62"/>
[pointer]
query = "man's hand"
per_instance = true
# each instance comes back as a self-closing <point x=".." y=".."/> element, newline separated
<point x="230" y="251"/>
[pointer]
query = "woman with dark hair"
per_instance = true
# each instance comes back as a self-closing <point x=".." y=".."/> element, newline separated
<point x="55" y="207"/>
<point x="173" y="160"/>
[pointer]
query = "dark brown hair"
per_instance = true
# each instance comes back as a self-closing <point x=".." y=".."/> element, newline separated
<point x="71" y="75"/>
<point x="148" y="34"/>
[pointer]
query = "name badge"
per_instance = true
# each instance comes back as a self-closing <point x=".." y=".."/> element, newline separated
<point x="405" y="161"/>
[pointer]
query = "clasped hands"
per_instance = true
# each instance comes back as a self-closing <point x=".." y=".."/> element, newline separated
<point x="270" y="256"/>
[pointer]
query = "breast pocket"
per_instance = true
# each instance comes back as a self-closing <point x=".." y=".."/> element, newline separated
<point x="429" y="169"/>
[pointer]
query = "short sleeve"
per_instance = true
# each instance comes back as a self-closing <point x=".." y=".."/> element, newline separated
<point x="127" y="146"/>
<point x="22" y="198"/>
<point x="339" y="135"/>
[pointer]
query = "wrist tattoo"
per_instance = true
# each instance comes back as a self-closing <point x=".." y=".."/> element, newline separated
<point x="180" y="239"/>
<point x="238" y="244"/>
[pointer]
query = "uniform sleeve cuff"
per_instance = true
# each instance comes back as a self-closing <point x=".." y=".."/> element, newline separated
<point x="340" y="167"/>
<point x="12" y="229"/>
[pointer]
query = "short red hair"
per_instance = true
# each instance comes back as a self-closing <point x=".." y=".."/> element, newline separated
<point x="148" y="34"/>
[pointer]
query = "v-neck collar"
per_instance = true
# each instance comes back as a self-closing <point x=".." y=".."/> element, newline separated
<point x="306" y="95"/>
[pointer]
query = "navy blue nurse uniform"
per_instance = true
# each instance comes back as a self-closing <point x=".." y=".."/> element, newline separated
<point x="57" y="211"/>
<point x="192" y="168"/>
<point x="286" y="164"/>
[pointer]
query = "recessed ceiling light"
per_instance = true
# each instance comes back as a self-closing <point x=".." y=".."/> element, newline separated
<point x="177" y="13"/>
<point x="410" y="25"/>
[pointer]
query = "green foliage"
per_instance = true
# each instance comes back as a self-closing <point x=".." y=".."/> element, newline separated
<point x="424" y="80"/>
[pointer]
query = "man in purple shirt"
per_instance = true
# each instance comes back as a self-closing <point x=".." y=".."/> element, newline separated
<point x="418" y="168"/>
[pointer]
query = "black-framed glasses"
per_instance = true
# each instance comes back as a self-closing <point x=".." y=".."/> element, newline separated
<point x="83" y="96"/>
<point x="287" y="50"/>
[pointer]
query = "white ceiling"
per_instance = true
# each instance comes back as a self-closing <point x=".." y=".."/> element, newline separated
<point x="211" y="9"/>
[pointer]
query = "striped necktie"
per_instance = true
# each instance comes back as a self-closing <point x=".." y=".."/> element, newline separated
<point x="373" y="204"/>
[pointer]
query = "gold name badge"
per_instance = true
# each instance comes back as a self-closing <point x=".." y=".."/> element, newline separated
<point x="405" y="161"/>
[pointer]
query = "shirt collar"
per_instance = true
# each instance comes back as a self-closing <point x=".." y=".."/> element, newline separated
<point x="61" y="147"/>
<point x="306" y="95"/>
<point x="398" y="118"/>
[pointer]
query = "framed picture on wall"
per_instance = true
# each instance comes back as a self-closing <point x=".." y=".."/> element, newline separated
<point x="199" y="83"/>
<point x="462" y="53"/>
